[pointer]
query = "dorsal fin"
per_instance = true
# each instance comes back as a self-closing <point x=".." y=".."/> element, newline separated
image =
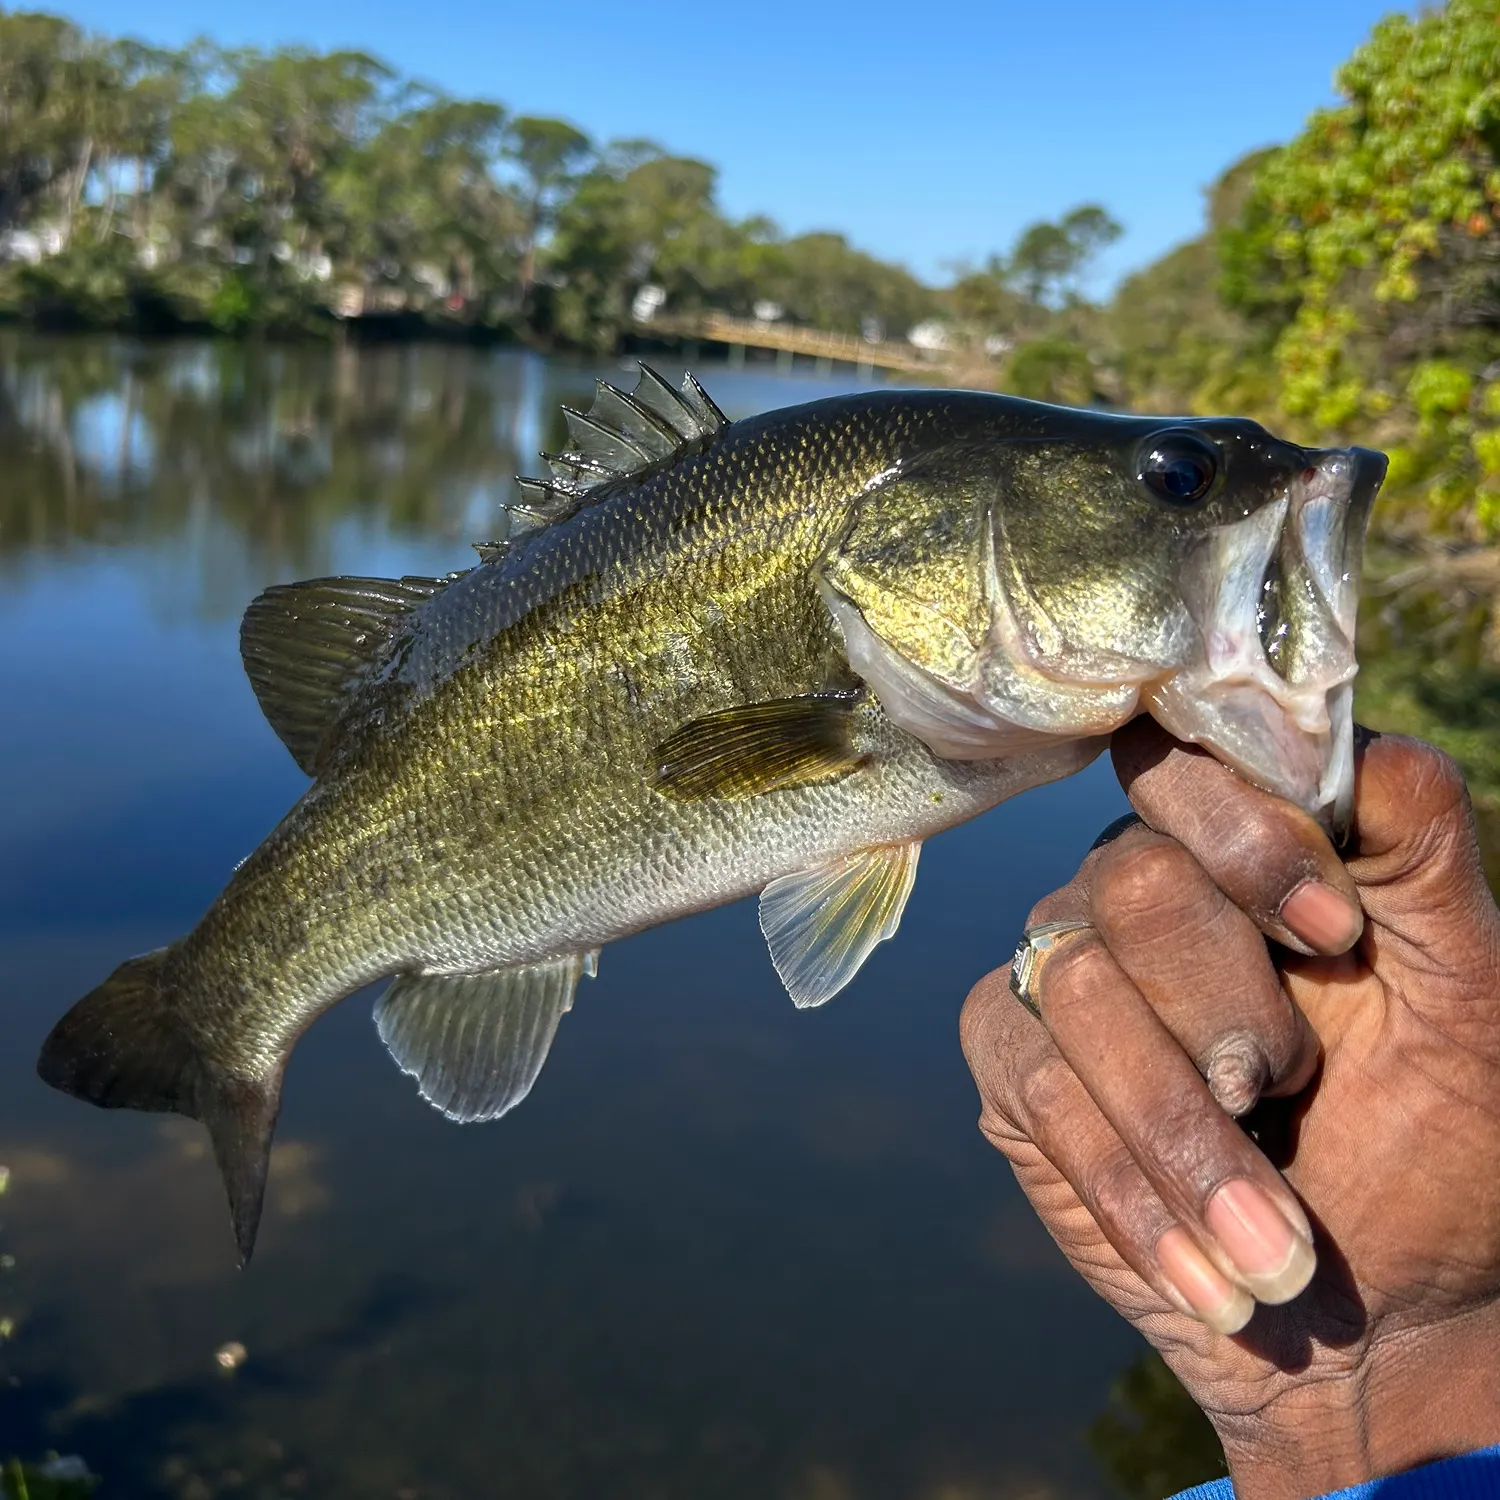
<point x="308" y="647"/>
<point x="620" y="436"/>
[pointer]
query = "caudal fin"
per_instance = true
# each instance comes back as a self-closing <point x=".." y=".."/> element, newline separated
<point x="125" y="1046"/>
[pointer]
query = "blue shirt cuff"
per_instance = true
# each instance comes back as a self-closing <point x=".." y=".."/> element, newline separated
<point x="1470" y="1476"/>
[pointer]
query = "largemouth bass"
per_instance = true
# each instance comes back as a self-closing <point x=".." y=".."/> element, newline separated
<point x="716" y="659"/>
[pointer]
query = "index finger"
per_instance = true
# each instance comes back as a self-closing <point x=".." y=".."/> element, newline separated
<point x="1270" y="858"/>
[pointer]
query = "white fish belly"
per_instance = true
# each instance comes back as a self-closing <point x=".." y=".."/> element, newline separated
<point x="695" y="855"/>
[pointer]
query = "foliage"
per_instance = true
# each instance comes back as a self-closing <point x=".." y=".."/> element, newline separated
<point x="1049" y="258"/>
<point x="1176" y="342"/>
<point x="53" y="1479"/>
<point x="239" y="189"/>
<point x="1428" y="661"/>
<point x="1369" y="248"/>
<point x="1034" y="290"/>
<point x="1053" y="369"/>
<point x="1153" y="1439"/>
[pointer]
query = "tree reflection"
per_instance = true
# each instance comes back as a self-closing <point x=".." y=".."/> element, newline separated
<point x="109" y="442"/>
<point x="1152" y="1439"/>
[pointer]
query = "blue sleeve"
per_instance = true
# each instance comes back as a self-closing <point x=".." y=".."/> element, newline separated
<point x="1471" y="1476"/>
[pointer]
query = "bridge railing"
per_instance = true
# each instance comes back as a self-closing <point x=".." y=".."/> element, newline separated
<point x="788" y="338"/>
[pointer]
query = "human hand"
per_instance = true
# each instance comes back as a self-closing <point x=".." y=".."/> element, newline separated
<point x="1381" y="1071"/>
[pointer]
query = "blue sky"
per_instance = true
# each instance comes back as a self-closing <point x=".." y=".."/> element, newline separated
<point x="929" y="133"/>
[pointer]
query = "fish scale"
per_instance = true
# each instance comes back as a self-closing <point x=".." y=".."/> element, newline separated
<point x="773" y="659"/>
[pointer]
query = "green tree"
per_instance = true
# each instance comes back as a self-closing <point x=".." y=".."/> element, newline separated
<point x="1174" y="341"/>
<point x="422" y="214"/>
<point x="54" y="83"/>
<point x="824" y="281"/>
<point x="549" y="156"/>
<point x="1049" y="260"/>
<point x="1372" y="242"/>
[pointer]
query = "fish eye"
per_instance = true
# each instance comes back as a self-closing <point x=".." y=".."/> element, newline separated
<point x="1179" y="467"/>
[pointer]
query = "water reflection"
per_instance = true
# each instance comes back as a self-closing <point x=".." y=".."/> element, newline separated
<point x="725" y="1247"/>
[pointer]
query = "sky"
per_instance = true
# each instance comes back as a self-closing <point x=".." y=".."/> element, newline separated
<point x="928" y="133"/>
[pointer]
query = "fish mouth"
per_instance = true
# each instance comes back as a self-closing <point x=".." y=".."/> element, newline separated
<point x="1275" y="597"/>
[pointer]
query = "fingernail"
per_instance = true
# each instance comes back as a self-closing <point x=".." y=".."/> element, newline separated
<point x="1322" y="917"/>
<point x="1275" y="1260"/>
<point x="1208" y="1294"/>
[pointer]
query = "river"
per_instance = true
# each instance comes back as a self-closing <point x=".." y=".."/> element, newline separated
<point x="724" y="1249"/>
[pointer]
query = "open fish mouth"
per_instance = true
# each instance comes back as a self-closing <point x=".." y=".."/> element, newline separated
<point x="1274" y="597"/>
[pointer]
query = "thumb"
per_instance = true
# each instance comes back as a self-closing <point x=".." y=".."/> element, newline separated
<point x="1414" y="854"/>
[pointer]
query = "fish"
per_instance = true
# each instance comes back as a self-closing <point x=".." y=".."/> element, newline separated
<point x="713" y="659"/>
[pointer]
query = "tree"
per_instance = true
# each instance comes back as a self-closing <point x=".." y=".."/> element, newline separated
<point x="421" y="211"/>
<point x="1049" y="259"/>
<point x="549" y="155"/>
<point x="1372" y="244"/>
<point x="53" y="79"/>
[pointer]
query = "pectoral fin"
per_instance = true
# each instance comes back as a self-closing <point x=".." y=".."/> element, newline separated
<point x="476" y="1042"/>
<point x="822" y="924"/>
<point x="760" y="747"/>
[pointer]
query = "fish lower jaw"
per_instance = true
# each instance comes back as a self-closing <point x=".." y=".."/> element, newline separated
<point x="1305" y="705"/>
<point x="1296" y="743"/>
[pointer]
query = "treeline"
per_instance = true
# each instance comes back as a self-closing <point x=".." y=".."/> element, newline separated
<point x="235" y="188"/>
<point x="1347" y="285"/>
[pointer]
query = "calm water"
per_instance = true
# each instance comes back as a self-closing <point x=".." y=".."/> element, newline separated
<point x="725" y="1248"/>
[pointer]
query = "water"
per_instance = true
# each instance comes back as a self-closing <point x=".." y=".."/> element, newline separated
<point x="725" y="1248"/>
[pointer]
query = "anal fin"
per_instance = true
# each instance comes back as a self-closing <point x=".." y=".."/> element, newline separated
<point x="760" y="747"/>
<point x="822" y="924"/>
<point x="476" y="1042"/>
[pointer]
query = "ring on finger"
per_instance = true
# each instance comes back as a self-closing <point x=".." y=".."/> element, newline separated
<point x="1037" y="944"/>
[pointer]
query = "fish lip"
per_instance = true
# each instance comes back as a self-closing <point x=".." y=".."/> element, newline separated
<point x="1331" y="505"/>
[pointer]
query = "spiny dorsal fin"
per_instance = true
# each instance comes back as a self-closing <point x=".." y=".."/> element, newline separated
<point x="822" y="924"/>
<point x="760" y="747"/>
<point x="619" y="436"/>
<point x="308" y="647"/>
<point x="476" y="1042"/>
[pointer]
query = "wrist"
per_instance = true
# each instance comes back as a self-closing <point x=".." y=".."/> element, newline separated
<point x="1407" y="1398"/>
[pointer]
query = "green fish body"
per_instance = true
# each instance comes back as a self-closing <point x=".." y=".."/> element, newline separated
<point x="713" y="660"/>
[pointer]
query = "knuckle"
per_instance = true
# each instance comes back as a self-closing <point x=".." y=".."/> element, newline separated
<point x="1002" y="1132"/>
<point x="1172" y="1138"/>
<point x="1438" y="788"/>
<point x="1252" y="843"/>
<point x="1435" y="809"/>
<point x="1140" y="876"/>
<point x="976" y="1021"/>
<point x="1074" y="974"/>
<point x="1116" y="1188"/>
<point x="1056" y="907"/>
<point x="1044" y="1088"/>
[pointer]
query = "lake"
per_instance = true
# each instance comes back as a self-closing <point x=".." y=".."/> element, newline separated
<point x="725" y="1248"/>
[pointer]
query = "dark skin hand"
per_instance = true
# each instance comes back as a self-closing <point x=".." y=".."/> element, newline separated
<point x="1322" y="1273"/>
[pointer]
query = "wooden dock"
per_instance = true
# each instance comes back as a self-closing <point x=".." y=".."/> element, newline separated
<point x="788" y="341"/>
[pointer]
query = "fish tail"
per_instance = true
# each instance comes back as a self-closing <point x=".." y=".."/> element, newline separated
<point x="125" y="1045"/>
